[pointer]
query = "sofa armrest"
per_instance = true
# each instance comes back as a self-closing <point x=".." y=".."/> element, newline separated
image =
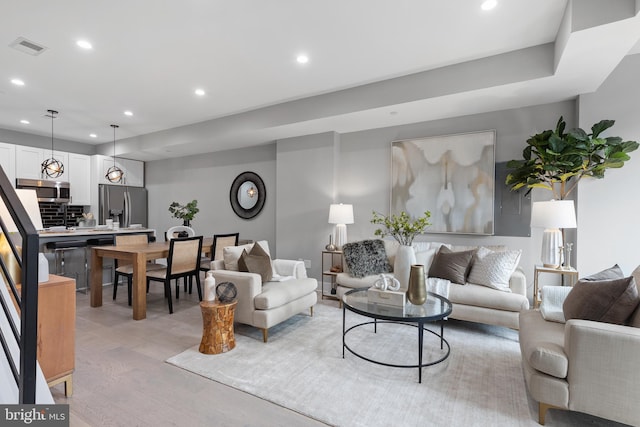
<point x="248" y="285"/>
<point x="518" y="282"/>
<point x="603" y="371"/>
<point x="289" y="267"/>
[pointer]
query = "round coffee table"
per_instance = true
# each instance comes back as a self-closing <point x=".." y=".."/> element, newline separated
<point x="435" y="309"/>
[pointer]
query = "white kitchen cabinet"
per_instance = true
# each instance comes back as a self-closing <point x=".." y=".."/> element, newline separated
<point x="8" y="161"/>
<point x="133" y="170"/>
<point x="29" y="161"/>
<point x="79" y="171"/>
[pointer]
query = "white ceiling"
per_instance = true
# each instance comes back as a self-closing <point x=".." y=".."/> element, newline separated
<point x="149" y="56"/>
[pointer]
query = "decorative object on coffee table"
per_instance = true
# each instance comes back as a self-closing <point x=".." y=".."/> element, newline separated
<point x="217" y="327"/>
<point x="417" y="292"/>
<point x="404" y="230"/>
<point x="226" y="292"/>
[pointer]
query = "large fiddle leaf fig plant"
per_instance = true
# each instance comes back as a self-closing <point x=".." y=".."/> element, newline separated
<point x="556" y="160"/>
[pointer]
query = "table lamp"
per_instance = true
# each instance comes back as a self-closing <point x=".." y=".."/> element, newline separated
<point x="553" y="215"/>
<point x="340" y="215"/>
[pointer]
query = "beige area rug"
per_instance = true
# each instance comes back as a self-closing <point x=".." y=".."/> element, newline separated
<point x="301" y="368"/>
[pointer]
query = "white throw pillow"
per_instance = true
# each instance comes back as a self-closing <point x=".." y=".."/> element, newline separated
<point x="425" y="258"/>
<point x="494" y="268"/>
<point x="552" y="300"/>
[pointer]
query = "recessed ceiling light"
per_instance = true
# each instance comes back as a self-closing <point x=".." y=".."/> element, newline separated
<point x="199" y="92"/>
<point x="24" y="122"/>
<point x="128" y="113"/>
<point x="84" y="44"/>
<point x="93" y="135"/>
<point x="302" y="59"/>
<point x="17" y="82"/>
<point x="489" y="4"/>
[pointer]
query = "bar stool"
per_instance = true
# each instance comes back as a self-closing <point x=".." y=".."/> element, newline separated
<point x="61" y="247"/>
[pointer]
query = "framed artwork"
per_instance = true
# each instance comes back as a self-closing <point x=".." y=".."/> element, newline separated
<point x="452" y="176"/>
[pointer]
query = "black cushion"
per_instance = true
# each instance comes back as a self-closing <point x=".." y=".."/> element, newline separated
<point x="366" y="257"/>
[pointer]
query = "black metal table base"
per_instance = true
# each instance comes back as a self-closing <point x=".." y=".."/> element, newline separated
<point x="419" y="325"/>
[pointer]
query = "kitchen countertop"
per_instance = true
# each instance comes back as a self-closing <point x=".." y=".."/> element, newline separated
<point x="93" y="232"/>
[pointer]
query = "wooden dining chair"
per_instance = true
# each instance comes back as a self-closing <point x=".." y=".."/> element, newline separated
<point x="220" y="241"/>
<point x="183" y="262"/>
<point x="126" y="269"/>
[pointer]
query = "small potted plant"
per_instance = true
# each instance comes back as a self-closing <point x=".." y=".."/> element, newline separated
<point x="401" y="227"/>
<point x="184" y="212"/>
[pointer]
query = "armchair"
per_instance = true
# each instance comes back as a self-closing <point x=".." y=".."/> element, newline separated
<point x="264" y="305"/>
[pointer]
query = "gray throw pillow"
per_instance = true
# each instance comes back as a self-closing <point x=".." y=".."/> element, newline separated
<point x="614" y="272"/>
<point x="453" y="266"/>
<point x="366" y="257"/>
<point x="610" y="301"/>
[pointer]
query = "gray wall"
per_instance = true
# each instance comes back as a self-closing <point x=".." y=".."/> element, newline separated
<point x="208" y="178"/>
<point x="608" y="228"/>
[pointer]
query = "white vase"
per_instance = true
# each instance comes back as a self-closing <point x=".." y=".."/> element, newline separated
<point x="210" y="287"/>
<point x="405" y="257"/>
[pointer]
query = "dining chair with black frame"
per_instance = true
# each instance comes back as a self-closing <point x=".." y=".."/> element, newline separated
<point x="126" y="269"/>
<point x="220" y="241"/>
<point x="183" y="262"/>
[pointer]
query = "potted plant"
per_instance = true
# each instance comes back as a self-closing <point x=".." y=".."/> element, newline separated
<point x="184" y="212"/>
<point x="401" y="227"/>
<point x="556" y="160"/>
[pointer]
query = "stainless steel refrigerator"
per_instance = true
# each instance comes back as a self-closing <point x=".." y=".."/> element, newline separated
<point x="128" y="205"/>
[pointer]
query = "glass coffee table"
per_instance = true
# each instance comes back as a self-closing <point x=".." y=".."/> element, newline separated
<point x="435" y="309"/>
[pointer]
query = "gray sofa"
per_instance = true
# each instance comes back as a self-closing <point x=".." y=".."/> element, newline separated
<point x="581" y="365"/>
<point x="471" y="302"/>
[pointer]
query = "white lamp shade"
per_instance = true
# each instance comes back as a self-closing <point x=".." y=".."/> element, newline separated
<point x="340" y="214"/>
<point x="553" y="214"/>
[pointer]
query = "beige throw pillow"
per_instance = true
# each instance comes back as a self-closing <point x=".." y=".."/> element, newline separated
<point x="257" y="261"/>
<point x="494" y="268"/>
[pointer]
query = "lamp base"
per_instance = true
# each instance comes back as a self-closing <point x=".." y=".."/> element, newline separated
<point x="341" y="235"/>
<point x="551" y="241"/>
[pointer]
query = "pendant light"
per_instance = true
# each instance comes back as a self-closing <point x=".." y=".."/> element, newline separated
<point x="114" y="173"/>
<point x="52" y="167"/>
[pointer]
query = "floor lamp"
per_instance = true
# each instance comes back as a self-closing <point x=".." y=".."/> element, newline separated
<point x="340" y="215"/>
<point x="553" y="215"/>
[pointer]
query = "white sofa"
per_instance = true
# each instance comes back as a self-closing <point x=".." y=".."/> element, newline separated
<point x="581" y="365"/>
<point x="470" y="302"/>
<point x="264" y="305"/>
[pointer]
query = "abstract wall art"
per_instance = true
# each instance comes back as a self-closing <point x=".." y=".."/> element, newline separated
<point x="453" y="176"/>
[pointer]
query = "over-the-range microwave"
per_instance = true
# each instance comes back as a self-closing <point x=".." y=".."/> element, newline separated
<point x="47" y="191"/>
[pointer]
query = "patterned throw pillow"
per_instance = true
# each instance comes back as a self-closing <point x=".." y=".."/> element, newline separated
<point x="366" y="257"/>
<point x="494" y="268"/>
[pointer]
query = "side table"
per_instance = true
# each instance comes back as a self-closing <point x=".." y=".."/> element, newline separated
<point x="217" y="327"/>
<point x="330" y="270"/>
<point x="570" y="273"/>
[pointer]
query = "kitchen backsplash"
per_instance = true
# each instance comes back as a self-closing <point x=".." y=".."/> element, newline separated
<point x="53" y="214"/>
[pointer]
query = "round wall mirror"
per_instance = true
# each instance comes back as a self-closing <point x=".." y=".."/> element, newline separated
<point x="247" y="195"/>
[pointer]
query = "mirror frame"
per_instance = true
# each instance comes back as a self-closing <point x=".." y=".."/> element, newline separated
<point x="233" y="195"/>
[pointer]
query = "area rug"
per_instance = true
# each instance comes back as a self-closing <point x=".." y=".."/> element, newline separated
<point x="301" y="368"/>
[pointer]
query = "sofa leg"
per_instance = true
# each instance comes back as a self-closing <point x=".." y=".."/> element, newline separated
<point x="311" y="311"/>
<point x="542" y="411"/>
<point x="265" y="334"/>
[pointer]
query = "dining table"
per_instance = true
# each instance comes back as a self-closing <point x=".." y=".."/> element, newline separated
<point x="137" y="256"/>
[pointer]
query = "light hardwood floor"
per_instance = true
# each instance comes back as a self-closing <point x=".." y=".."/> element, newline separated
<point x="121" y="378"/>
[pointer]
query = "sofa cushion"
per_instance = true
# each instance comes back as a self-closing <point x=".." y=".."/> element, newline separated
<point x="610" y="301"/>
<point x="493" y="268"/>
<point x="453" y="266"/>
<point x="482" y="296"/>
<point x="276" y="294"/>
<point x="542" y="344"/>
<point x="257" y="261"/>
<point x="366" y="257"/>
<point x="634" y="320"/>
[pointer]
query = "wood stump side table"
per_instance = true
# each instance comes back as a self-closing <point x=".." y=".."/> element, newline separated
<point x="217" y="327"/>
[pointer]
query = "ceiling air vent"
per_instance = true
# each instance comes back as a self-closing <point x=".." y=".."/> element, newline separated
<point x="27" y="46"/>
